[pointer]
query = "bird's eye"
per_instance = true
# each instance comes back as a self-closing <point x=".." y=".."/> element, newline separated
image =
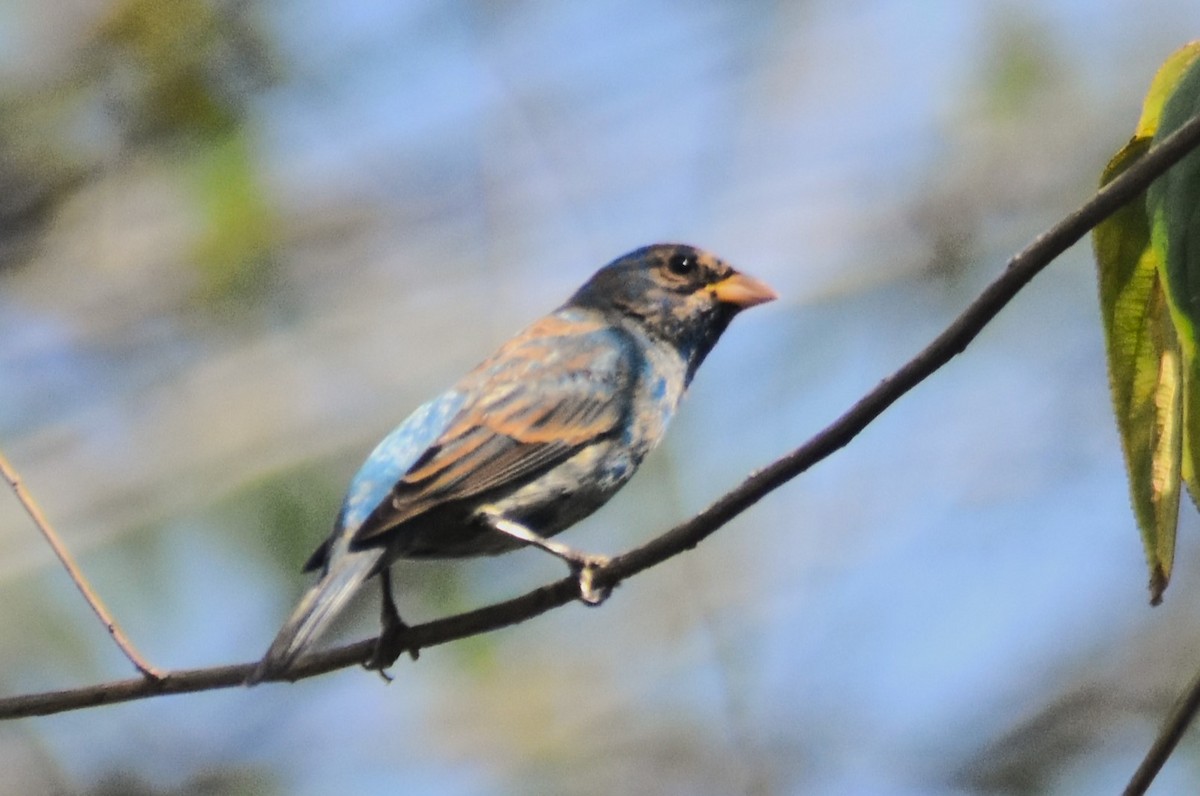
<point x="681" y="264"/>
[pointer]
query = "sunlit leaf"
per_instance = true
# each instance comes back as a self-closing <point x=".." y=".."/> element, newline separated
<point x="1144" y="363"/>
<point x="1163" y="87"/>
<point x="1149" y="326"/>
<point x="1173" y="202"/>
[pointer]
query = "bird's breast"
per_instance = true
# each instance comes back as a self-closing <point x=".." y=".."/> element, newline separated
<point x="657" y="392"/>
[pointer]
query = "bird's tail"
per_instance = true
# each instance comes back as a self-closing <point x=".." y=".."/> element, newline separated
<point x="316" y="609"/>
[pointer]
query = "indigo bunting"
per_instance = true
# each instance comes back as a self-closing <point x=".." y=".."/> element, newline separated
<point x="531" y="441"/>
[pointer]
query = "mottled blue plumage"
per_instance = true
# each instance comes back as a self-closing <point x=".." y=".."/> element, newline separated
<point x="535" y="438"/>
<point x="394" y="455"/>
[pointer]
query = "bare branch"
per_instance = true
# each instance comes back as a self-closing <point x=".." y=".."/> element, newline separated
<point x="1019" y="271"/>
<point x="76" y="575"/>
<point x="1172" y="731"/>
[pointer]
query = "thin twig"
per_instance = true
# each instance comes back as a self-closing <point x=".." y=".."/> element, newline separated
<point x="1172" y="732"/>
<point x="1020" y="269"/>
<point x="64" y="555"/>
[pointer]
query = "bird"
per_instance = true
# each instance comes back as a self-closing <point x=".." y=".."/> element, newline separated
<point x="535" y="438"/>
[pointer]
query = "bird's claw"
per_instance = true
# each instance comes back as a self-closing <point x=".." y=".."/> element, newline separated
<point x="390" y="645"/>
<point x="586" y="569"/>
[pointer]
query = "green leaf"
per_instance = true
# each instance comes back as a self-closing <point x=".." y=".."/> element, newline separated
<point x="234" y="252"/>
<point x="1163" y="87"/>
<point x="1146" y="279"/>
<point x="1173" y="203"/>
<point x="1145" y="371"/>
<point x="1175" y="211"/>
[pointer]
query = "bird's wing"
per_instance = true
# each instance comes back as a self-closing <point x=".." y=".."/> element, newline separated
<point x="390" y="460"/>
<point x="545" y="395"/>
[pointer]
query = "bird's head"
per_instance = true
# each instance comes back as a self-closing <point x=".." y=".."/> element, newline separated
<point x="674" y="292"/>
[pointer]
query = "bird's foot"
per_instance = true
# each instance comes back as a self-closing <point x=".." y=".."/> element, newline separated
<point x="391" y="643"/>
<point x="585" y="567"/>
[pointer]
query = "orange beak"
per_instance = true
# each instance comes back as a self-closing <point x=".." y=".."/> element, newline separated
<point x="742" y="291"/>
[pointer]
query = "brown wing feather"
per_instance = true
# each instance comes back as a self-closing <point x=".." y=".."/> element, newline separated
<point x="541" y="398"/>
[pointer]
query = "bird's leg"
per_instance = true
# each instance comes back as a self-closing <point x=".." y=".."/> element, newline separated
<point x="392" y="628"/>
<point x="585" y="565"/>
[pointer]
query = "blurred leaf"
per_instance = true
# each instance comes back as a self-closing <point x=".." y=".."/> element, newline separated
<point x="1150" y="340"/>
<point x="185" y="66"/>
<point x="39" y="167"/>
<point x="280" y="517"/>
<point x="183" y="71"/>
<point x="1030" y="757"/>
<point x="1022" y="64"/>
<point x="239" y="229"/>
<point x="175" y="75"/>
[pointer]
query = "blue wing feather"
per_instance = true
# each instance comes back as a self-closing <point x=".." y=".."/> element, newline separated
<point x="386" y="465"/>
<point x="394" y="456"/>
<point x="344" y="571"/>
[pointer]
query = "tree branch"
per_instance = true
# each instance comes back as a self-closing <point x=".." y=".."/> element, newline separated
<point x="1172" y="732"/>
<point x="74" y="572"/>
<point x="1019" y="271"/>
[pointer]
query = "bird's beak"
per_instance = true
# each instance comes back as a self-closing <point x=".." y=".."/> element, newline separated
<point x="742" y="291"/>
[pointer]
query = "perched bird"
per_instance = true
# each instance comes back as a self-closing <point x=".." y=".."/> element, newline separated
<point x="531" y="441"/>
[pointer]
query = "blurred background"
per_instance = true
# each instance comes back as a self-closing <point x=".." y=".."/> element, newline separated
<point x="239" y="241"/>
